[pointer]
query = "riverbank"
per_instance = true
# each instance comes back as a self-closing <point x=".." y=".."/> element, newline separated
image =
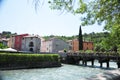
<point x="40" y="65"/>
<point x="9" y="61"/>
<point x="109" y="75"/>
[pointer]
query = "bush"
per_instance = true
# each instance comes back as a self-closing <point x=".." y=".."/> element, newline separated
<point x="89" y="51"/>
<point x="26" y="59"/>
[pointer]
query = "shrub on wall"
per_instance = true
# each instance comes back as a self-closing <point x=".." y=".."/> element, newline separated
<point x="28" y="57"/>
<point x="30" y="60"/>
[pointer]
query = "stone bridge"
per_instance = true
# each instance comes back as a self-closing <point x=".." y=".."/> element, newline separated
<point x="75" y="58"/>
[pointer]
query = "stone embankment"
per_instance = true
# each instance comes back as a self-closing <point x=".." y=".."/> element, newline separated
<point x="37" y="65"/>
<point x="109" y="75"/>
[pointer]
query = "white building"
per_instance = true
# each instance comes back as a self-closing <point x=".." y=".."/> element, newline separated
<point x="56" y="45"/>
<point x="31" y="43"/>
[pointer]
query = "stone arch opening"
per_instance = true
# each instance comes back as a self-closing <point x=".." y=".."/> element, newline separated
<point x="31" y="49"/>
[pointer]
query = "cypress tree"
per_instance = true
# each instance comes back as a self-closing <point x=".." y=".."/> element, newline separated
<point x="80" y="39"/>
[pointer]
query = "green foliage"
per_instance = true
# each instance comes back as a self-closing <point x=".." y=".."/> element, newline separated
<point x="89" y="51"/>
<point x="2" y="46"/>
<point x="65" y="50"/>
<point x="97" y="48"/>
<point x="65" y="38"/>
<point x="100" y="11"/>
<point x="81" y="51"/>
<point x="6" y="34"/>
<point x="82" y="8"/>
<point x="113" y="40"/>
<point x="86" y="51"/>
<point x="25" y="58"/>
<point x="61" y="4"/>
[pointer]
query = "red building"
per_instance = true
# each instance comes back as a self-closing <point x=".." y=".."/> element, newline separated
<point x="18" y="41"/>
<point x="86" y="45"/>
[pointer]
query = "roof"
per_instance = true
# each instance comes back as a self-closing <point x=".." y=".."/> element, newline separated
<point x="32" y="36"/>
<point x="4" y="39"/>
<point x="21" y="34"/>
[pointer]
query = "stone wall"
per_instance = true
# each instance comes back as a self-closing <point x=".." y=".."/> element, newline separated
<point x="31" y="65"/>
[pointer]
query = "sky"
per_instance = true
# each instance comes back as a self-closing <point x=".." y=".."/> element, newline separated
<point x="21" y="17"/>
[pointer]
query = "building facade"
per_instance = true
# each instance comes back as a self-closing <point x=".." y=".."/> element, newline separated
<point x="43" y="45"/>
<point x="55" y="45"/>
<point x="18" y="41"/>
<point x="31" y="43"/>
<point x="12" y="42"/>
<point x="86" y="45"/>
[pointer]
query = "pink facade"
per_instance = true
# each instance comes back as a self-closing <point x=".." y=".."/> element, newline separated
<point x="43" y="46"/>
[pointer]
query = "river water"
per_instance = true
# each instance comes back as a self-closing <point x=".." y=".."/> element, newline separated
<point x="66" y="72"/>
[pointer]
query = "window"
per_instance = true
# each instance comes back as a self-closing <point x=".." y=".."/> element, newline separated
<point x="31" y="44"/>
<point x="31" y="49"/>
<point x="56" y="45"/>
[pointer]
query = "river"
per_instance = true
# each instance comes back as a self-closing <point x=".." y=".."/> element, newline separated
<point x="66" y="72"/>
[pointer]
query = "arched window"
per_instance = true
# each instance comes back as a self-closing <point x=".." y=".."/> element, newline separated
<point x="31" y="49"/>
<point x="31" y="44"/>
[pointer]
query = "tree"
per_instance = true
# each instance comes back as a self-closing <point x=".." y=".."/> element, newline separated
<point x="113" y="41"/>
<point x="80" y="39"/>
<point x="100" y="11"/>
<point x="2" y="46"/>
<point x="107" y="11"/>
